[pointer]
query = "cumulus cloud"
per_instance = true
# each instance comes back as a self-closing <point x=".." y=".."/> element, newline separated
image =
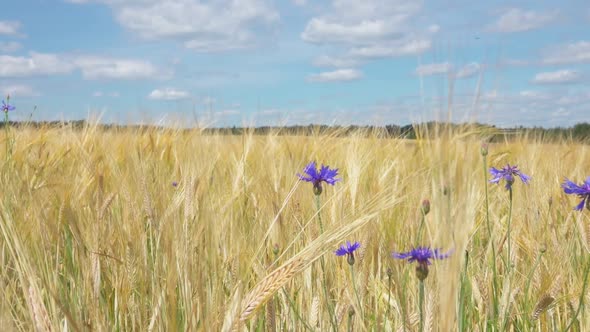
<point x="97" y="94"/>
<point x="18" y="90"/>
<point x="332" y="61"/>
<point x="392" y="49"/>
<point x="361" y="22"/>
<point x="203" y="26"/>
<point x="10" y="46"/>
<point x="96" y="68"/>
<point x="368" y="30"/>
<point x="92" y="67"/>
<point x="168" y="94"/>
<point x="10" y="28"/>
<point x="340" y="75"/>
<point x="434" y="69"/>
<point x="37" y="64"/>
<point x="469" y="70"/>
<point x="516" y="20"/>
<point x="557" y="77"/>
<point x="577" y="52"/>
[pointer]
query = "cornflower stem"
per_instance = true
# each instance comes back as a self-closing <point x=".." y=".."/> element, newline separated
<point x="509" y="252"/>
<point x="358" y="299"/>
<point x="7" y="137"/>
<point x="421" y="304"/>
<point x="582" y="296"/>
<point x="491" y="241"/>
<point x="323" y="264"/>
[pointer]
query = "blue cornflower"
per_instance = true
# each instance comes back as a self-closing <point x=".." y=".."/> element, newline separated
<point x="348" y="250"/>
<point x="583" y="191"/>
<point x="508" y="173"/>
<point x="325" y="174"/>
<point x="7" y="107"/>
<point x="422" y="255"/>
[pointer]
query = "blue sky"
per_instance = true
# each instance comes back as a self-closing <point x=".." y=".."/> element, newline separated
<point x="260" y="62"/>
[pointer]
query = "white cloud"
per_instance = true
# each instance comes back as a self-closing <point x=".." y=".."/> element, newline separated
<point x="368" y="30"/>
<point x="393" y="49"/>
<point x="331" y="61"/>
<point x="434" y="69"/>
<point x="18" y="91"/>
<point x="37" y="64"/>
<point x="320" y="30"/>
<point x="96" y="68"/>
<point x="168" y="94"/>
<point x="203" y="26"/>
<point x="469" y="70"/>
<point x="10" y="28"/>
<point x="339" y="75"/>
<point x="516" y="20"/>
<point x="578" y="52"/>
<point x="557" y="77"/>
<point x="103" y="94"/>
<point x="92" y="67"/>
<point x="300" y="2"/>
<point x="10" y="46"/>
<point x="361" y="22"/>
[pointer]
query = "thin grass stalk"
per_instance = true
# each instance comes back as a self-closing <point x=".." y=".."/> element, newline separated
<point x="461" y="317"/>
<point x="582" y="297"/>
<point x="358" y="299"/>
<point x="421" y="304"/>
<point x="323" y="265"/>
<point x="491" y="241"/>
<point x="296" y="311"/>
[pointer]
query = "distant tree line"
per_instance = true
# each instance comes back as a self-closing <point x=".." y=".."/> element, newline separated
<point x="579" y="132"/>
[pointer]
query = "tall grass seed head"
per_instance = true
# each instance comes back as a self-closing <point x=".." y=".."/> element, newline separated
<point x="425" y="208"/>
<point x="582" y="190"/>
<point x="509" y="174"/>
<point x="316" y="177"/>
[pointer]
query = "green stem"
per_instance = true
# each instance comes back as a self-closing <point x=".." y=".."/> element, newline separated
<point x="491" y="240"/>
<point x="582" y="296"/>
<point x="323" y="264"/>
<point x="509" y="260"/>
<point x="297" y="314"/>
<point x="7" y="137"/>
<point x="421" y="229"/>
<point x="421" y="304"/>
<point x="358" y="299"/>
<point x="388" y="295"/>
<point x="462" y="293"/>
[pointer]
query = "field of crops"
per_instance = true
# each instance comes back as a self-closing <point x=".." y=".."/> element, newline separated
<point x="166" y="230"/>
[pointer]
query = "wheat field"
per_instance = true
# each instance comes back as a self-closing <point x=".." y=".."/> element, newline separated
<point x="179" y="230"/>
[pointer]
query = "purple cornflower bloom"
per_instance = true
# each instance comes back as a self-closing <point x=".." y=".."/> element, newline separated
<point x="325" y="174"/>
<point x="422" y="255"/>
<point x="348" y="250"/>
<point x="7" y="107"/>
<point x="174" y="184"/>
<point x="508" y="173"/>
<point x="583" y="191"/>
